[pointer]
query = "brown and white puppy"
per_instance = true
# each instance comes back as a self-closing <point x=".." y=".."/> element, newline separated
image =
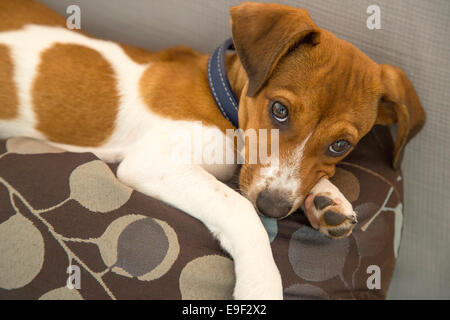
<point x="334" y="95"/>
<point x="127" y="105"/>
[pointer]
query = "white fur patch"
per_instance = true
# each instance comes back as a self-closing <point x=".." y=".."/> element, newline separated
<point x="285" y="176"/>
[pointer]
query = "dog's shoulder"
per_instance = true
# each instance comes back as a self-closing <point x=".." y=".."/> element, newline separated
<point x="14" y="14"/>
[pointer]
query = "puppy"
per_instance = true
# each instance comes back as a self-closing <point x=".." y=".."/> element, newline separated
<point x="126" y="105"/>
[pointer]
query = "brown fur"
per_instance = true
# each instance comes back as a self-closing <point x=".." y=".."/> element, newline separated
<point x="254" y="24"/>
<point x="400" y="104"/>
<point x="8" y="91"/>
<point x="331" y="88"/>
<point x="138" y="55"/>
<point x="14" y="14"/>
<point x="74" y="95"/>
<point x="187" y="95"/>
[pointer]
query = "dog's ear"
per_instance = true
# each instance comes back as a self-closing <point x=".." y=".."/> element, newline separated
<point x="399" y="105"/>
<point x="263" y="34"/>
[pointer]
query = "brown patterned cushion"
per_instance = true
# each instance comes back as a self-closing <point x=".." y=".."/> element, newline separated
<point x="59" y="208"/>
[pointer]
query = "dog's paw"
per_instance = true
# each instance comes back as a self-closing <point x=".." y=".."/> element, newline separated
<point x="257" y="278"/>
<point x="331" y="214"/>
<point x="259" y="287"/>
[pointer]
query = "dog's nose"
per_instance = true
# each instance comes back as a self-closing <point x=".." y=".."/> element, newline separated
<point x="272" y="204"/>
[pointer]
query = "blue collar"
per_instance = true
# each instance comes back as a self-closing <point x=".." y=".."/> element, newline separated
<point x="220" y="86"/>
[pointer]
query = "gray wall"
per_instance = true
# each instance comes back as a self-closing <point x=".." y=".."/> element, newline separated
<point x="415" y="36"/>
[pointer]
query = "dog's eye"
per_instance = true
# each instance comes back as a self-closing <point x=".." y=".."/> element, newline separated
<point x="279" y="111"/>
<point x="338" y="148"/>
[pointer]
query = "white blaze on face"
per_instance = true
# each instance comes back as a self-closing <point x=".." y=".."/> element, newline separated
<point x="284" y="175"/>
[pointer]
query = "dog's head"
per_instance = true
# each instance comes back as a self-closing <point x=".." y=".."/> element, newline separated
<point x="322" y="93"/>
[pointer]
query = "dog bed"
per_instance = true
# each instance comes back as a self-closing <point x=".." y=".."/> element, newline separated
<point x="61" y="209"/>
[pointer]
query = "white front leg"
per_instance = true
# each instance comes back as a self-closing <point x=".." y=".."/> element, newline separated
<point x="229" y="216"/>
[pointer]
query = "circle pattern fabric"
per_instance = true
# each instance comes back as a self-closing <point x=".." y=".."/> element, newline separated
<point x="62" y="209"/>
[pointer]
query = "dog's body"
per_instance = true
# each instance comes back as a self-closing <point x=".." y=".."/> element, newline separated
<point x="126" y="105"/>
